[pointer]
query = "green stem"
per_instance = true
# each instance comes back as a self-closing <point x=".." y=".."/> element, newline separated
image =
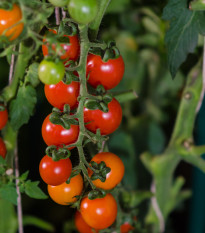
<point x="94" y="26"/>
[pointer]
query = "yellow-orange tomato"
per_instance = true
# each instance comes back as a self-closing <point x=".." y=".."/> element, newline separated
<point x="64" y="194"/>
<point x="116" y="174"/>
<point x="99" y="213"/>
<point x="81" y="225"/>
<point x="9" y="21"/>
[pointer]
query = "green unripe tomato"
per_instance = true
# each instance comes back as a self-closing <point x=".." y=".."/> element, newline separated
<point x="50" y="72"/>
<point x="59" y="3"/>
<point x="83" y="11"/>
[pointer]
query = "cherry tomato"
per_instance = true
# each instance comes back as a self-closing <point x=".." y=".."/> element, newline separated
<point x="2" y="148"/>
<point x="60" y="94"/>
<point x="83" y="11"/>
<point x="106" y="122"/>
<point x="7" y="19"/>
<point x="55" y="172"/>
<point x="57" y="135"/>
<point x="116" y="174"/>
<point x="3" y="118"/>
<point x="50" y="72"/>
<point x="64" y="194"/>
<point x="81" y="225"/>
<point x="59" y="3"/>
<point x="71" y="51"/>
<point x="99" y="213"/>
<point x="126" y="228"/>
<point x="108" y="74"/>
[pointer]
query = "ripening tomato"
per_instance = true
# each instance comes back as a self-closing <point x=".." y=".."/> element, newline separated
<point x="126" y="228"/>
<point x="55" y="172"/>
<point x="2" y="148"/>
<point x="99" y="213"/>
<point x="57" y="135"/>
<point x="8" y="18"/>
<point x="106" y="122"/>
<point x="71" y="51"/>
<point x="50" y="72"/>
<point x="83" y="11"/>
<point x="81" y="225"/>
<point x="60" y="94"/>
<point x="108" y="74"/>
<point x="3" y="118"/>
<point x="116" y="174"/>
<point x="64" y="194"/>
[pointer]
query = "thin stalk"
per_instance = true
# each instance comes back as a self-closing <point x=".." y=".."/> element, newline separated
<point x="57" y="15"/>
<point x="11" y="70"/>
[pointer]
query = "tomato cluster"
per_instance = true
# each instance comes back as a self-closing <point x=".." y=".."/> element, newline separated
<point x="3" y="121"/>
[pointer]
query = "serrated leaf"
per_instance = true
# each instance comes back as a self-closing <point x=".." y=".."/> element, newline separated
<point x="8" y="192"/>
<point x="22" y="107"/>
<point x="33" y="191"/>
<point x="32" y="74"/>
<point x="182" y="36"/>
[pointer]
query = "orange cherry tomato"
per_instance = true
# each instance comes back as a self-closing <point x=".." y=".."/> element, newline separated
<point x="81" y="225"/>
<point x="126" y="227"/>
<point x="116" y="174"/>
<point x="64" y="194"/>
<point x="99" y="213"/>
<point x="2" y="148"/>
<point x="9" y="18"/>
<point x="3" y="118"/>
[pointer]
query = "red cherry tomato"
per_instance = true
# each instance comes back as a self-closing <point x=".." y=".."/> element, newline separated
<point x="70" y="51"/>
<point x="106" y="122"/>
<point x="60" y="94"/>
<point x="2" y="148"/>
<point x="57" y="135"/>
<point x="99" y="213"/>
<point x="8" y="18"/>
<point x="55" y="172"/>
<point x="116" y="174"/>
<point x="64" y="194"/>
<point x="3" y="118"/>
<point x="81" y="225"/>
<point x="108" y="74"/>
<point x="126" y="228"/>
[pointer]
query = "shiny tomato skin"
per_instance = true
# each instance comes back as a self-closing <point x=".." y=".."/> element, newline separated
<point x="108" y="74"/>
<point x="81" y="225"/>
<point x="55" y="172"/>
<point x="99" y="213"/>
<point x="64" y="194"/>
<point x="57" y="135"/>
<point x="126" y="228"/>
<point x="116" y="174"/>
<point x="2" y="148"/>
<point x="70" y="52"/>
<point x="3" y="118"/>
<point x="60" y="94"/>
<point x="7" y="19"/>
<point x="106" y="122"/>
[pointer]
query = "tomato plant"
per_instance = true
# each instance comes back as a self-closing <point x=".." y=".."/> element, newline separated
<point x="109" y="73"/>
<point x="59" y="3"/>
<point x="99" y="213"/>
<point x="51" y="72"/>
<point x="55" y="172"/>
<point x="70" y="51"/>
<point x="83" y="11"/>
<point x="60" y="94"/>
<point x="81" y="225"/>
<point x="57" y="135"/>
<point x="107" y="122"/>
<point x="64" y="194"/>
<point x="2" y="148"/>
<point x="10" y="24"/>
<point x="3" y="118"/>
<point x="116" y="174"/>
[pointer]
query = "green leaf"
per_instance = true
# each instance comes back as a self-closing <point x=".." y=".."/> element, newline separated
<point x="182" y="36"/>
<point x="32" y="74"/>
<point x="33" y="191"/>
<point x="22" y="107"/>
<point x="117" y="6"/>
<point x="24" y="176"/>
<point x="8" y="192"/>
